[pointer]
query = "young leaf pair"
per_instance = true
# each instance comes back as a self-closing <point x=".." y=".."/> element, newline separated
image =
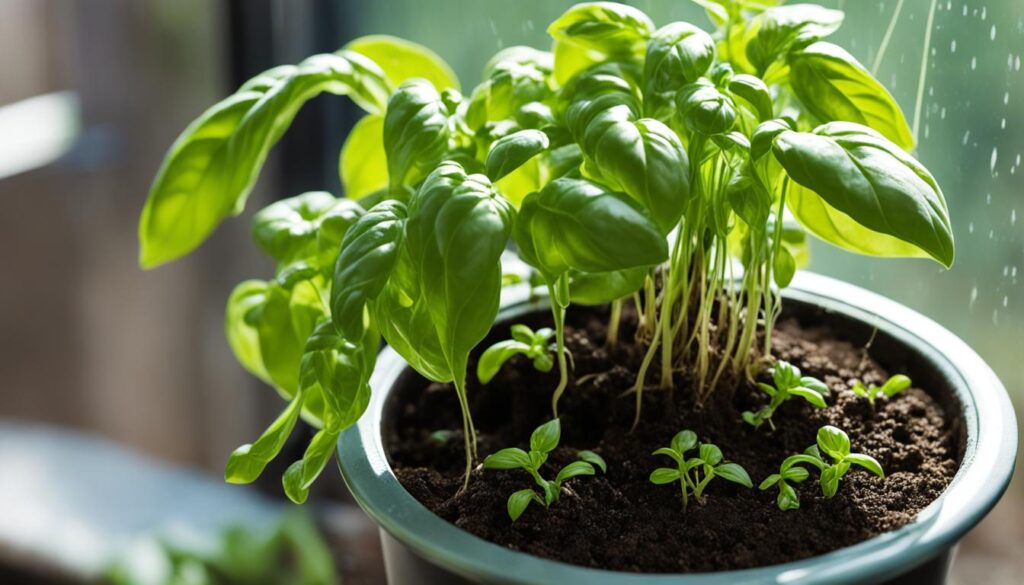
<point x="534" y="345"/>
<point x="835" y="444"/>
<point x="893" y="386"/>
<point x="543" y="441"/>
<point x="787" y="383"/>
<point x="695" y="473"/>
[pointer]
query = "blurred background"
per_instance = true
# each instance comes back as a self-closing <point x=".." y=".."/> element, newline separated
<point x="119" y="398"/>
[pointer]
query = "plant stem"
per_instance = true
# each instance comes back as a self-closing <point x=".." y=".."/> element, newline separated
<point x="468" y="430"/>
<point x="888" y="36"/>
<point x="559" y="292"/>
<point x="613" y="323"/>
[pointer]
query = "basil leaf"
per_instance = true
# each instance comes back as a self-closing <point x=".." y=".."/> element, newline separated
<point x="511" y="458"/>
<point x="363" y="164"/>
<point x="834" y="442"/>
<point x="594" y="459"/>
<point x="495" y="356"/>
<point x="867" y="462"/>
<point x="367" y="258"/>
<point x="710" y="454"/>
<point x="247" y="462"/>
<point x="415" y="133"/>
<point x="833" y="85"/>
<point x="457" y="230"/>
<point x="853" y="176"/>
<point x="788" y="498"/>
<point x="213" y="165"/>
<point x="754" y="92"/>
<point x="781" y="28"/>
<point x="242" y="336"/>
<point x="301" y="474"/>
<point x="287" y="230"/>
<point x="402" y="60"/>
<point x="683" y="441"/>
<point x="592" y="32"/>
<point x="704" y="109"/>
<point x="677" y="54"/>
<point x="514" y="77"/>
<point x="546" y="437"/>
<point x="664" y="475"/>
<point x="340" y="370"/>
<point x="574" y="469"/>
<point x="512" y="151"/>
<point x="573" y="224"/>
<point x="735" y="473"/>
<point x="598" y="288"/>
<point x="518" y="502"/>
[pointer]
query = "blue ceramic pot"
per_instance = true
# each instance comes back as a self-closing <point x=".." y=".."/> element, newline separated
<point x="421" y="548"/>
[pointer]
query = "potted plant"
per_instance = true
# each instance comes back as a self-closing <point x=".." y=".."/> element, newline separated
<point x="648" y="403"/>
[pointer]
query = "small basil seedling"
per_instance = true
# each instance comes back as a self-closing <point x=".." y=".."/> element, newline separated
<point x="695" y="473"/>
<point x="787" y="383"/>
<point x="871" y="392"/>
<point x="543" y="441"/>
<point x="835" y="444"/>
<point x="535" y="345"/>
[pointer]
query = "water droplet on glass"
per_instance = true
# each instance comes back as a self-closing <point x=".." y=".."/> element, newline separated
<point x="995" y="156"/>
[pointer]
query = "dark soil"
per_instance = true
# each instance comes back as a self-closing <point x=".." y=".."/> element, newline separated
<point x="620" y="521"/>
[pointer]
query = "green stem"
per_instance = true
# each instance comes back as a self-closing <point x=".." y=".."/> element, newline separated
<point x="613" y="323"/>
<point x="559" y="292"/>
<point x="468" y="430"/>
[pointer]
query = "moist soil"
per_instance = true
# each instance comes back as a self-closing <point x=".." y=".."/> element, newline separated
<point x="619" y="520"/>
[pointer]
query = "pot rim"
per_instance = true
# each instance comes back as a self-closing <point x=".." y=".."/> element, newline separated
<point x="987" y="466"/>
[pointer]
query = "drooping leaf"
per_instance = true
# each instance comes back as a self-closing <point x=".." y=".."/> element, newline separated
<point x="495" y="356"/>
<point x="247" y="462"/>
<point x="594" y="31"/>
<point x="850" y="175"/>
<point x="301" y="474"/>
<point x="594" y="459"/>
<point x="289" y="230"/>
<point x="340" y="370"/>
<point x="663" y="475"/>
<point x="512" y="151"/>
<point x="779" y="29"/>
<point x="518" y="502"/>
<point x="574" y="469"/>
<point x="416" y="133"/>
<point x="677" y="54"/>
<point x="598" y="288"/>
<point x="213" y="165"/>
<point x="242" y="336"/>
<point x="511" y="458"/>
<point x="735" y="473"/>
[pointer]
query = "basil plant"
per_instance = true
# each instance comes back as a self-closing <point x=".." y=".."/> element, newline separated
<point x="673" y="167"/>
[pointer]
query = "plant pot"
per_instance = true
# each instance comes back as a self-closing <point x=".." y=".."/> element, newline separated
<point x="421" y="548"/>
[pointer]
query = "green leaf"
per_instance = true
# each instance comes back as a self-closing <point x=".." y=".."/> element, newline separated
<point x="457" y="230"/>
<point x="341" y="370"/>
<point x="867" y="462"/>
<point x="546" y="437"/>
<point x="401" y="60"/>
<point x="779" y="29"/>
<point x="834" y="86"/>
<point x="518" y="502"/>
<point x="734" y="473"/>
<point x="512" y="151"/>
<point x="573" y="224"/>
<point x="594" y="459"/>
<point x="522" y="333"/>
<point x="574" y="469"/>
<point x="785" y="375"/>
<point x="704" y="109"/>
<point x="675" y="455"/>
<point x="753" y="91"/>
<point x="677" y="54"/>
<point x="367" y="258"/>
<point x="809" y="395"/>
<point x="288" y="230"/>
<point x="242" y="336"/>
<point x="511" y="458"/>
<point x="769" y="481"/>
<point x="591" y="32"/>
<point x="814" y="384"/>
<point x="710" y="454"/>
<point x="664" y="475"/>
<point x="247" y="462"/>
<point x="495" y="356"/>
<point x="797" y="474"/>
<point x="363" y="164"/>
<point x="514" y="78"/>
<point x="852" y="177"/>
<point x="213" y="165"/>
<point x="683" y="441"/>
<point x="830" y="477"/>
<point x="833" y="442"/>
<point x="416" y="133"/>
<point x="598" y="288"/>
<point x="895" y="385"/>
<point x="784" y="268"/>
<point x="301" y="474"/>
<point x="788" y="498"/>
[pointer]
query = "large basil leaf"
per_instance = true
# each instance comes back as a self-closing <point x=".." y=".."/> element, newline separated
<point x="415" y="133"/>
<point x="402" y="60"/>
<point x="677" y="54"/>
<point x="368" y="255"/>
<point x="592" y="32"/>
<point x="288" y="230"/>
<point x="781" y="28"/>
<point x="853" y="175"/>
<point x="247" y="462"/>
<point x="704" y="109"/>
<point x="834" y="86"/>
<point x="213" y="165"/>
<point x="574" y="224"/>
<point x="363" y="164"/>
<point x="340" y="370"/>
<point x="457" y="229"/>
